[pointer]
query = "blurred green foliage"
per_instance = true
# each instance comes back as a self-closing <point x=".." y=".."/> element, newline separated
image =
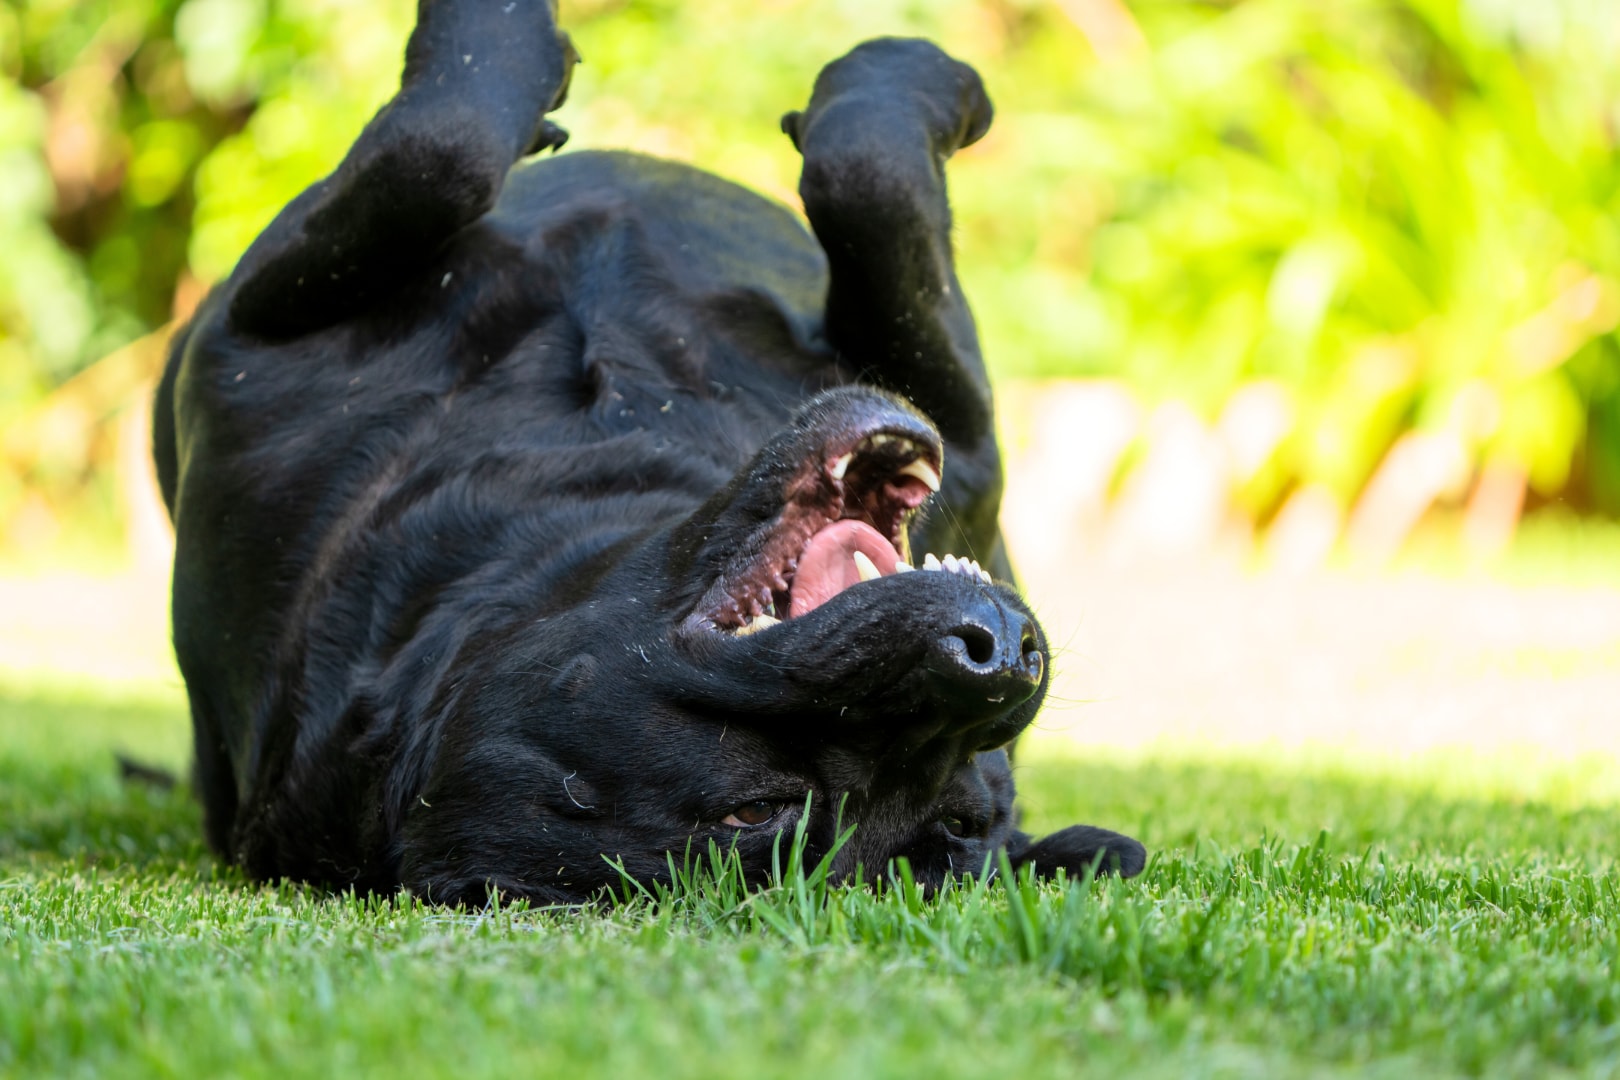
<point x="1402" y="211"/>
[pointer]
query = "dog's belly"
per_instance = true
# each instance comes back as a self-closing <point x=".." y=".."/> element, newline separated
<point x="717" y="235"/>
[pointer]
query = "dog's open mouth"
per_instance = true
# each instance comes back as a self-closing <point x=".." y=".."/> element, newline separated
<point x="844" y="521"/>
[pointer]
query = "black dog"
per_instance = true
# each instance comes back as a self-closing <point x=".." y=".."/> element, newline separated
<point x="530" y="518"/>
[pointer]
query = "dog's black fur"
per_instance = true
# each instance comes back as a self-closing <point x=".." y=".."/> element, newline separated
<point x="476" y="471"/>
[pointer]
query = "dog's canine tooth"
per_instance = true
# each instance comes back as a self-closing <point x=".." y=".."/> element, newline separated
<point x="866" y="567"/>
<point x="760" y="622"/>
<point x="931" y="561"/>
<point x="922" y="471"/>
<point x="840" y="466"/>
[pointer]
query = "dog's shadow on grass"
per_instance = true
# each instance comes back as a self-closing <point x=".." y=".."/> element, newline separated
<point x="63" y="795"/>
<point x="63" y="798"/>
<point x="135" y="826"/>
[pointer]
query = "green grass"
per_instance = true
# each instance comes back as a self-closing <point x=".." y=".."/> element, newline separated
<point x="1301" y="916"/>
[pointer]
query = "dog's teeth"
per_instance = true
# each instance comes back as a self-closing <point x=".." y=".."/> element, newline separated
<point x="931" y="561"/>
<point x="761" y="622"/>
<point x="950" y="564"/>
<point x="922" y="471"/>
<point x="866" y="567"/>
<point x="840" y="466"/>
<point x="903" y="567"/>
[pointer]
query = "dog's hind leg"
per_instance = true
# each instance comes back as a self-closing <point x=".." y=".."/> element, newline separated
<point x="479" y="77"/>
<point x="881" y="123"/>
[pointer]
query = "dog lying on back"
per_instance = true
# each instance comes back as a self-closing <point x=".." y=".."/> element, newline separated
<point x="533" y="517"/>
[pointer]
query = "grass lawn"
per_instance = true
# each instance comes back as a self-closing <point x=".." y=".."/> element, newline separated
<point x="1309" y="917"/>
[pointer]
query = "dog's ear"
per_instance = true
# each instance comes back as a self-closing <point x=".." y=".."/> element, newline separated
<point x="1076" y="850"/>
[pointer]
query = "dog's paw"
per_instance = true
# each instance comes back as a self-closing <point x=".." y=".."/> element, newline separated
<point x="908" y="73"/>
<point x="1078" y="849"/>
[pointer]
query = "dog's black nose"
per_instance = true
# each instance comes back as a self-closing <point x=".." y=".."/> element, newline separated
<point x="992" y="656"/>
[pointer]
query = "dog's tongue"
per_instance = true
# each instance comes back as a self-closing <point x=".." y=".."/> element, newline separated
<point x="827" y="566"/>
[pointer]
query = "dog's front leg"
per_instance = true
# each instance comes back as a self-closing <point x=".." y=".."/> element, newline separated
<point x="880" y="125"/>
<point x="479" y="77"/>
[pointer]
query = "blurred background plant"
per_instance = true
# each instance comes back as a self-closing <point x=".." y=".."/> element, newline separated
<point x="1313" y="272"/>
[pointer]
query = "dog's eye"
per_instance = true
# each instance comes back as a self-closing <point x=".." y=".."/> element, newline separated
<point x="954" y="825"/>
<point x="750" y="814"/>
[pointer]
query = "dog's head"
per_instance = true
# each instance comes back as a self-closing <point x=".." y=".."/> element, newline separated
<point x="774" y="651"/>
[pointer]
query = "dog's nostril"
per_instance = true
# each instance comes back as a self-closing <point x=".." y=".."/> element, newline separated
<point x="980" y="643"/>
<point x="1034" y="662"/>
